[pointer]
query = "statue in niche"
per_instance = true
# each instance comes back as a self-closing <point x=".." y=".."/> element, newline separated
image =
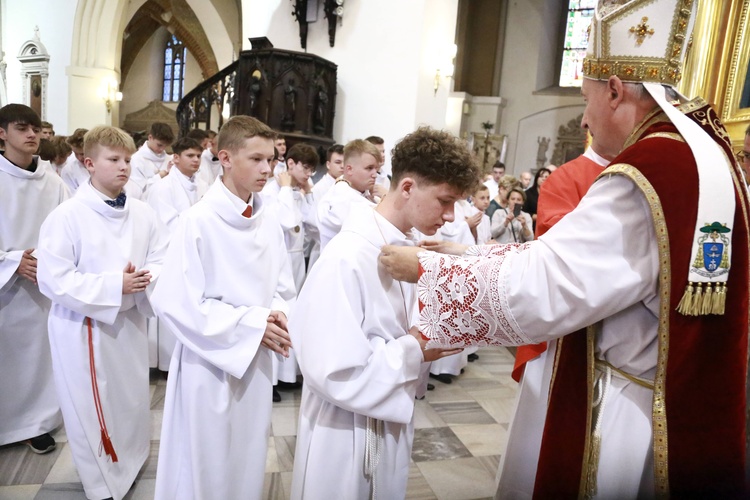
<point x="319" y="119"/>
<point x="541" y="153"/>
<point x="254" y="95"/>
<point x="290" y="105"/>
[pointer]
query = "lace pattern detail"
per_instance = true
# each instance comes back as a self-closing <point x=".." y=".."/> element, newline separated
<point x="495" y="250"/>
<point x="463" y="300"/>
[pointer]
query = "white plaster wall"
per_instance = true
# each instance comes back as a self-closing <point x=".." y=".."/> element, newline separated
<point x="385" y="86"/>
<point x="55" y="20"/>
<point x="527" y="63"/>
<point x="146" y="76"/>
<point x="545" y="123"/>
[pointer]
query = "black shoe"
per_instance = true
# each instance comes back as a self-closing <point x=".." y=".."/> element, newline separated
<point x="288" y="386"/>
<point x="41" y="444"/>
<point x="276" y="396"/>
<point x="443" y="377"/>
<point x="473" y="357"/>
<point x="430" y="387"/>
<point x="462" y="371"/>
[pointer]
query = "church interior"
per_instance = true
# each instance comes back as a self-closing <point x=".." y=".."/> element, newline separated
<point x="502" y="74"/>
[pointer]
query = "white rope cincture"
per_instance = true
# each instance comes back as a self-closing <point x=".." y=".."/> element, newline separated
<point x="373" y="448"/>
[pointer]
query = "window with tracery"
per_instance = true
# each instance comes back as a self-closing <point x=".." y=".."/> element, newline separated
<point x="174" y="70"/>
<point x="577" y="25"/>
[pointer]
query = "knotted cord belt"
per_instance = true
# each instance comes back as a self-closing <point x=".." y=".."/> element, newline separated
<point x="106" y="442"/>
<point x="373" y="448"/>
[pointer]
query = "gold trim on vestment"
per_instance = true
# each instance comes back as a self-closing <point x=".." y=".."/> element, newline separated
<point x="659" y="406"/>
<point x="655" y="116"/>
<point x="558" y="349"/>
<point x="666" y="135"/>
<point x="590" y="467"/>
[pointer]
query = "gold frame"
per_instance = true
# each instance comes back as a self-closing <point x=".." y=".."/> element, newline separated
<point x="731" y="112"/>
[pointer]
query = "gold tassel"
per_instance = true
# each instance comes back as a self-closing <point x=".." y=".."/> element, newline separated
<point x="723" y="299"/>
<point x="687" y="298"/>
<point x="716" y="301"/>
<point x="707" y="300"/>
<point x="695" y="308"/>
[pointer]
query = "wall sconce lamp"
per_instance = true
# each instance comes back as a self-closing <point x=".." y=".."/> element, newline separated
<point x="447" y="68"/>
<point x="108" y="93"/>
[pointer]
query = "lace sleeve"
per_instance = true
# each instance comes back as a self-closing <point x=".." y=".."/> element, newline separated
<point x="494" y="250"/>
<point x="462" y="299"/>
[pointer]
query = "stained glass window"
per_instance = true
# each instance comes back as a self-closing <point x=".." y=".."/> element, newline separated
<point x="577" y="25"/>
<point x="174" y="70"/>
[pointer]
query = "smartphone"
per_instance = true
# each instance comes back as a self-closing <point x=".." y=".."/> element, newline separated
<point x="516" y="210"/>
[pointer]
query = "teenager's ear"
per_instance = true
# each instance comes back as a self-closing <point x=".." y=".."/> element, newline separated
<point x="406" y="186"/>
<point x="225" y="158"/>
<point x="88" y="164"/>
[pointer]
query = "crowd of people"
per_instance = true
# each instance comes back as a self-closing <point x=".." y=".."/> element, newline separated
<point x="223" y="265"/>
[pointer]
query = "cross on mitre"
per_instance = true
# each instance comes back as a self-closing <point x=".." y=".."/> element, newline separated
<point x="641" y="30"/>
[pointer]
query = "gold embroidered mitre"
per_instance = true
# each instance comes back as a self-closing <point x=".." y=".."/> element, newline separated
<point x="640" y="40"/>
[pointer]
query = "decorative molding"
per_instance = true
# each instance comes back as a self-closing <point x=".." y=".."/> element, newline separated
<point x="571" y="142"/>
<point x="155" y="111"/>
<point x="34" y="60"/>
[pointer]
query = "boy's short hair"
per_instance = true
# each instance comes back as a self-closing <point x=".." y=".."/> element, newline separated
<point x="184" y="144"/>
<point x="60" y="143"/>
<point x="480" y="187"/>
<point x="498" y="164"/>
<point x="198" y="134"/>
<point x="161" y="132"/>
<point x="336" y="148"/>
<point x="46" y="150"/>
<point x="18" y="113"/>
<point x="239" y="128"/>
<point x="358" y="147"/>
<point x="210" y="134"/>
<point x="275" y="154"/>
<point x="436" y="157"/>
<point x="109" y="137"/>
<point x="305" y="154"/>
<point x="76" y="138"/>
<point x="47" y="125"/>
<point x="374" y="139"/>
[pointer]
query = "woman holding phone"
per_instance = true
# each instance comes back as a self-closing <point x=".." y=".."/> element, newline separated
<point x="510" y="224"/>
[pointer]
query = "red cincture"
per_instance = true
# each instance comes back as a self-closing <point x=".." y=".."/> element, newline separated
<point x="106" y="443"/>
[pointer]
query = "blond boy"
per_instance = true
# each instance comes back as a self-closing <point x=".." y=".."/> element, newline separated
<point x="224" y="292"/>
<point x="98" y="254"/>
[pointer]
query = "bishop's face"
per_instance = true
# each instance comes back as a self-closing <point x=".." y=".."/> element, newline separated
<point x="598" y="116"/>
<point x="431" y="205"/>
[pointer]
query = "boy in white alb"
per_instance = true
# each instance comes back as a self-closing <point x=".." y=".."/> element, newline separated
<point x="74" y="172"/>
<point x="361" y="160"/>
<point x="334" y="170"/>
<point x="289" y="194"/>
<point x="223" y="293"/>
<point x="363" y="365"/>
<point x="98" y="253"/>
<point x="480" y="201"/>
<point x="28" y="193"/>
<point x="210" y="164"/>
<point x="169" y="197"/>
<point x="151" y="162"/>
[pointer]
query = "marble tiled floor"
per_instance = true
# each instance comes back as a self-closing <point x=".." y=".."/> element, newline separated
<point x="460" y="434"/>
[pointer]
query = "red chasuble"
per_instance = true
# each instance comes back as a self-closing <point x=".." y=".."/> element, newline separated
<point x="699" y="405"/>
<point x="559" y="195"/>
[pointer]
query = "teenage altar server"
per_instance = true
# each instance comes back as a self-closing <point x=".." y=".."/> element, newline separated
<point x="363" y="365"/>
<point x="151" y="162"/>
<point x="210" y="164"/>
<point x="98" y="252"/>
<point x="223" y="292"/>
<point x="361" y="162"/>
<point x="74" y="172"/>
<point x="171" y="196"/>
<point x="28" y="193"/>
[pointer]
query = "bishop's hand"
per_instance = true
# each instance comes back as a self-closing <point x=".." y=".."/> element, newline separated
<point x="446" y="247"/>
<point x="401" y="262"/>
